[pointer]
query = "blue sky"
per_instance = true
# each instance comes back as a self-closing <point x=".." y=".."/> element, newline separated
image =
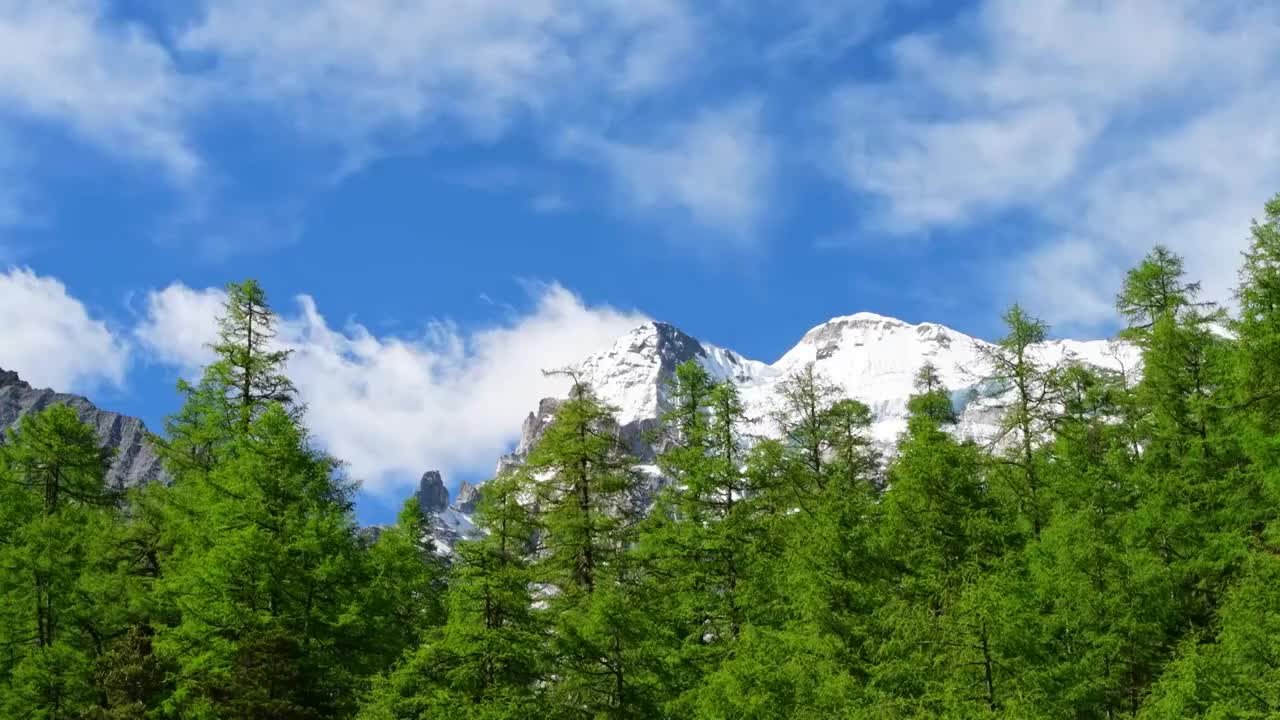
<point x="442" y="198"/>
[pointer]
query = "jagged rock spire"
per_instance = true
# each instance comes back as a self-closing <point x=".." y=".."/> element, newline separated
<point x="433" y="496"/>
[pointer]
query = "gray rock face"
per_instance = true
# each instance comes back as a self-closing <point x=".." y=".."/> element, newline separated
<point x="135" y="461"/>
<point x="673" y="347"/>
<point x="535" y="424"/>
<point x="468" y="498"/>
<point x="433" y="496"/>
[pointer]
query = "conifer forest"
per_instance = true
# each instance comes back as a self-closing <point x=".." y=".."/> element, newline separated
<point x="1113" y="553"/>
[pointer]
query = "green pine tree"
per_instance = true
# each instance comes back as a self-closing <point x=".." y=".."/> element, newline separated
<point x="1028" y="406"/>
<point x="488" y="660"/>
<point x="943" y="647"/>
<point x="245" y="378"/>
<point x="588" y="494"/>
<point x="61" y="589"/>
<point x="696" y="542"/>
<point x="404" y="590"/>
<point x="262" y="610"/>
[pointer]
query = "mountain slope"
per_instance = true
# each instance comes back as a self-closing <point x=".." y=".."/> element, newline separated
<point x="135" y="461"/>
<point x="872" y="357"/>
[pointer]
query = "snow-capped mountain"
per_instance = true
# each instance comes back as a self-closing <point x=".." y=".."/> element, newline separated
<point x="873" y="358"/>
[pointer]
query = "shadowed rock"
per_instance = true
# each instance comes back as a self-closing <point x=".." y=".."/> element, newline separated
<point x="433" y="497"/>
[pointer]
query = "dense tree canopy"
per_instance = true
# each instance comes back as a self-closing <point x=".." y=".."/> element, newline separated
<point x="1114" y="552"/>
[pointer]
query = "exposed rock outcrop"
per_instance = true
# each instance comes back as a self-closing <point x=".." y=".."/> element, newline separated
<point x="135" y="461"/>
<point x="468" y="498"/>
<point x="433" y="496"/>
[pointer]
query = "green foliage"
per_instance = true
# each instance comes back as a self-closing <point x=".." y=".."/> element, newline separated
<point x="587" y="496"/>
<point x="697" y="542"/>
<point x="64" y="593"/>
<point x="267" y="602"/>
<point x="1025" y="417"/>
<point x="265" y="574"/>
<point x="487" y="659"/>
<point x="1115" y="553"/>
<point x="403" y="592"/>
<point x="245" y="378"/>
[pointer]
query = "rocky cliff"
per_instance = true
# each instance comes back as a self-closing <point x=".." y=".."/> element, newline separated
<point x="135" y="461"/>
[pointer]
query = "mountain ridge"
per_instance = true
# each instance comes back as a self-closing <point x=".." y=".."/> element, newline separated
<point x="135" y="461"/>
<point x="871" y="357"/>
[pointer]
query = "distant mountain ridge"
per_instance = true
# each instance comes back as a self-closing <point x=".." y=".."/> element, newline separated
<point x="135" y="461"/>
<point x="873" y="358"/>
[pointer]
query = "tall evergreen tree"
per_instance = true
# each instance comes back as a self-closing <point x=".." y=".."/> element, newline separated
<point x="697" y="540"/>
<point x="1027" y="405"/>
<point x="1191" y="464"/>
<point x="1257" y="372"/>
<point x="488" y="660"/>
<point x="1103" y="605"/>
<point x="262" y="577"/>
<point x="1228" y="669"/>
<point x="947" y="536"/>
<point x="805" y="651"/>
<point x="403" y="589"/>
<point x="263" y="586"/>
<point x="245" y="378"/>
<point x="801" y="405"/>
<point x="62" y="592"/>
<point x="588" y="494"/>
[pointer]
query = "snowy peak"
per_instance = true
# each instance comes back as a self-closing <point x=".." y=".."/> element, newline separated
<point x="846" y="333"/>
<point x="655" y="346"/>
<point x="631" y="375"/>
<point x="873" y="358"/>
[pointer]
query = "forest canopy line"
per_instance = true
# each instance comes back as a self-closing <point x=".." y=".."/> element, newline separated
<point x="1115" y="555"/>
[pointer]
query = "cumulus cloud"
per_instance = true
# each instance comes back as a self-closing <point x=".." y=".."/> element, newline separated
<point x="1119" y="125"/>
<point x="51" y="339"/>
<point x="714" y="168"/>
<point x="177" y="325"/>
<point x="1194" y="189"/>
<point x="395" y="406"/>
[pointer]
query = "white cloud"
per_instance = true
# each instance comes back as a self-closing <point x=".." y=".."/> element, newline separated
<point x="935" y="173"/>
<point x="395" y="406"/>
<point x="715" y="168"/>
<point x="1119" y="125"/>
<point x="107" y="82"/>
<point x="51" y="340"/>
<point x="370" y="78"/>
<point x="1193" y="190"/>
<point x="177" y="325"/>
<point x="354" y="69"/>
